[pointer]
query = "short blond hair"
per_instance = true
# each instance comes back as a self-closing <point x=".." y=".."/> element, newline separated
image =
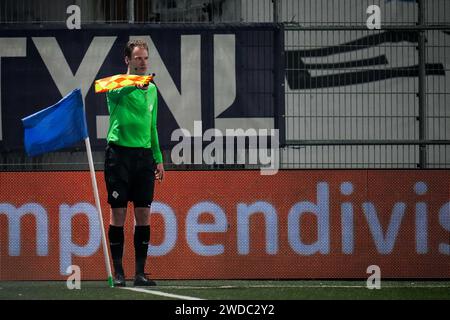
<point x="133" y="44"/>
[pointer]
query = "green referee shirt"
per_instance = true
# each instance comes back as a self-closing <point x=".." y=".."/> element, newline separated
<point x="132" y="118"/>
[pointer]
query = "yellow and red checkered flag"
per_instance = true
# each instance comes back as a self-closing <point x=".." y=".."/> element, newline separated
<point x="120" y="81"/>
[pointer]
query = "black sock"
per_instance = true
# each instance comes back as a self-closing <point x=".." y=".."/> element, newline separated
<point x="116" y="241"/>
<point x="141" y="239"/>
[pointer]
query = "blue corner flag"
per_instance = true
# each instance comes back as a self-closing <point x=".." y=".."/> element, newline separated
<point x="56" y="127"/>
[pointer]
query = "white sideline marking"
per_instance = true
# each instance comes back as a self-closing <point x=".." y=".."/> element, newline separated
<point x="300" y="286"/>
<point x="163" y="294"/>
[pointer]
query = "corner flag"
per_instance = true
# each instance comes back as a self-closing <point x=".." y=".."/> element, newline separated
<point x="56" y="127"/>
<point x="60" y="126"/>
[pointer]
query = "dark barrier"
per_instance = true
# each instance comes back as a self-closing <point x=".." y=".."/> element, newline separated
<point x="223" y="76"/>
<point x="219" y="225"/>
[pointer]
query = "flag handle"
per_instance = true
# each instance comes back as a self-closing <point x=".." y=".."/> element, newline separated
<point x="99" y="211"/>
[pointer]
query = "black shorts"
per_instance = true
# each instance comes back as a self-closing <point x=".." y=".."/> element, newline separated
<point x="129" y="176"/>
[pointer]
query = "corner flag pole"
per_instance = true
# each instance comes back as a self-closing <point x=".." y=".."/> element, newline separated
<point x="99" y="211"/>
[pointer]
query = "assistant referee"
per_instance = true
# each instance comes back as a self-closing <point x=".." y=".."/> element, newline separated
<point x="133" y="161"/>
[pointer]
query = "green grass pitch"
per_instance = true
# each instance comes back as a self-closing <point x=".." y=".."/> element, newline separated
<point x="228" y="290"/>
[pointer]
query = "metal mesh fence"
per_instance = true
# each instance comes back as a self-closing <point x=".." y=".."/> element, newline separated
<point x="326" y="13"/>
<point x="124" y="11"/>
<point x="366" y="98"/>
<point x="319" y="13"/>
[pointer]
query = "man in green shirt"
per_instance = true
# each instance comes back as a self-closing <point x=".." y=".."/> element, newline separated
<point x="133" y="161"/>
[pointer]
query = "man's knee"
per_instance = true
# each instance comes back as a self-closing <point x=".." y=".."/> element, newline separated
<point x="141" y="215"/>
<point x="118" y="216"/>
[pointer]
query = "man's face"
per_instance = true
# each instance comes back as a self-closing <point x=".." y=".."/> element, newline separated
<point x="138" y="63"/>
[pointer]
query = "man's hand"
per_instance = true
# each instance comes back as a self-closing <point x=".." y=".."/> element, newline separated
<point x="142" y="86"/>
<point x="159" y="172"/>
